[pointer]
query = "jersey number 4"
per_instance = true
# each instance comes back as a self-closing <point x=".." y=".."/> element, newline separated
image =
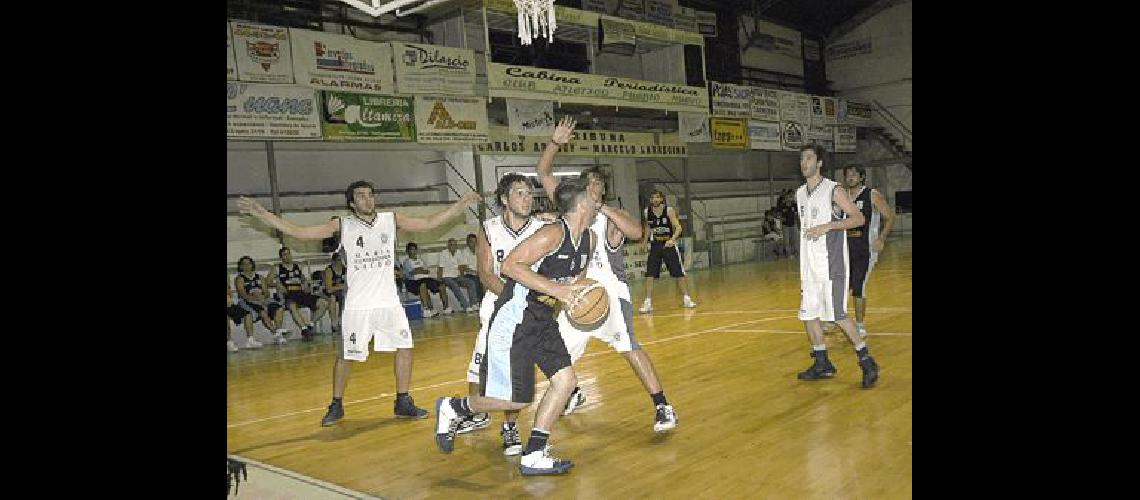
<point x="360" y="241"/>
<point x="352" y="338"/>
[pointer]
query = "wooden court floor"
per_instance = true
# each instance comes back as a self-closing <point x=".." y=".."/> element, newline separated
<point x="747" y="427"/>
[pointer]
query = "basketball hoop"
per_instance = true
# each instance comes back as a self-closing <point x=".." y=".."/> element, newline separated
<point x="536" y="18"/>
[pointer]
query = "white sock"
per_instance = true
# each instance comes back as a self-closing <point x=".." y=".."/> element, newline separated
<point x="860" y="346"/>
<point x="821" y="347"/>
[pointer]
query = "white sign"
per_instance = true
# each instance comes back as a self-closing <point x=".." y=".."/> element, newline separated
<point x="845" y="139"/>
<point x="793" y="135"/>
<point x="263" y="53"/>
<point x="261" y="111"/>
<point x="530" y="117"/>
<point x="693" y="127"/>
<point x="433" y="69"/>
<point x="765" y="104"/>
<point x="231" y="63"/>
<point x="795" y="107"/>
<point x="822" y="135"/>
<point x="765" y="135"/>
<point x="730" y="101"/>
<point x="329" y="61"/>
<point x="451" y="119"/>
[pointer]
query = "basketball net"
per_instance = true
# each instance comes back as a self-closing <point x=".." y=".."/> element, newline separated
<point x="536" y="18"/>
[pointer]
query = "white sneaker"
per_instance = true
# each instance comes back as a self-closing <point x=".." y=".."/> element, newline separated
<point x="540" y="462"/>
<point x="646" y="306"/>
<point x="511" y="444"/>
<point x="446" y="424"/>
<point x="252" y="343"/>
<point x="428" y="313"/>
<point x="474" y="423"/>
<point x="666" y="418"/>
<point x="447" y="310"/>
<point x="577" y="399"/>
<point x="231" y="346"/>
<point x="281" y="339"/>
<point x="688" y="302"/>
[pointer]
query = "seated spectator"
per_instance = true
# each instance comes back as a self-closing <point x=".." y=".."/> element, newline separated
<point x="469" y="270"/>
<point x="233" y="313"/>
<point x="253" y="299"/>
<point x="334" y="289"/>
<point x="449" y="261"/>
<point x="417" y="279"/>
<point x="294" y="287"/>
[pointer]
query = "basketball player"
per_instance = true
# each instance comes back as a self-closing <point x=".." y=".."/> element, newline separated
<point x="371" y="306"/>
<point x="541" y="270"/>
<point x="864" y="243"/>
<point x="822" y="207"/>
<point x="611" y="226"/>
<point x="333" y="277"/>
<point x="499" y="236"/>
<point x="294" y="285"/>
<point x="663" y="228"/>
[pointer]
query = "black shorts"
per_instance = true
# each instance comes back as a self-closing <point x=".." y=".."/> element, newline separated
<point x="302" y="299"/>
<point x="413" y="286"/>
<point x="859" y="258"/>
<point x="658" y="252"/>
<point x="236" y="313"/>
<point x="508" y="370"/>
<point x="256" y="309"/>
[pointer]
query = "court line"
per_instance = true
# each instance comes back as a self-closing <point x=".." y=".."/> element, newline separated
<point x="883" y="334"/>
<point x="464" y="380"/>
<point x="302" y="478"/>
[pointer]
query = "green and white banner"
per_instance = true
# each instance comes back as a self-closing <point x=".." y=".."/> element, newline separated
<point x="263" y="111"/>
<point x="451" y="120"/>
<point x="348" y="116"/>
<point x="262" y="52"/>
<point x="433" y="69"/>
<point x="526" y="82"/>
<point x="328" y="61"/>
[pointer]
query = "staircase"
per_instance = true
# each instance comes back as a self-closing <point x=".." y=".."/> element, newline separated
<point x="892" y="133"/>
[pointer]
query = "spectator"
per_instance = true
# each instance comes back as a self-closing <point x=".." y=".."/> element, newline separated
<point x="449" y="261"/>
<point x="334" y="289"/>
<point x="418" y="280"/>
<point x="252" y="294"/>
<point x="294" y="287"/>
<point x="469" y="270"/>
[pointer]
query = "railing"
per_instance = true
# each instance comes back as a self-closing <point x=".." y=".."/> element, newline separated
<point x="902" y="132"/>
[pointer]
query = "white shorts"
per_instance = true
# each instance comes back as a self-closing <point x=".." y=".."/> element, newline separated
<point x="823" y="300"/>
<point x="387" y="327"/>
<point x="617" y="331"/>
<point x="485" y="310"/>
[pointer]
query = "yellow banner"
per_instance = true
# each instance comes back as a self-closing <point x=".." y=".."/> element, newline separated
<point x="569" y="15"/>
<point x="526" y="82"/>
<point x="729" y="133"/>
<point x="589" y="143"/>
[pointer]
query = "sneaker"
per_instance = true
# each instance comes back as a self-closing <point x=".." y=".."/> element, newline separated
<point x="428" y="313"/>
<point x="281" y="339"/>
<point x="406" y="408"/>
<point x="822" y="368"/>
<point x="447" y="310"/>
<point x="511" y="444"/>
<point x="666" y="418"/>
<point x="646" y="306"/>
<point x="307" y="333"/>
<point x="473" y="423"/>
<point x="577" y="399"/>
<point x="870" y="371"/>
<point x="688" y="302"/>
<point x="231" y="346"/>
<point x="335" y="413"/>
<point x="446" y="424"/>
<point x="252" y="343"/>
<point x="539" y="462"/>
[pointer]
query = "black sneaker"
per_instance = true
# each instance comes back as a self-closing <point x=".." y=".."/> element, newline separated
<point x="336" y="412"/>
<point x="511" y="444"/>
<point x="406" y="408"/>
<point x="870" y="371"/>
<point x="822" y="368"/>
<point x="307" y="334"/>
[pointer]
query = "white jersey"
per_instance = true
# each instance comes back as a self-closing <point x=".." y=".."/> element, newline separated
<point x="826" y="257"/>
<point x="607" y="265"/>
<point x="502" y="240"/>
<point x="369" y="250"/>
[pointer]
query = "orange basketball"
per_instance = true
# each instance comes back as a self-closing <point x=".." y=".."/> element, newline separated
<point x="592" y="308"/>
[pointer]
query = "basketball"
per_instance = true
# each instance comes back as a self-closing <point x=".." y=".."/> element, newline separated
<point x="592" y="308"/>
